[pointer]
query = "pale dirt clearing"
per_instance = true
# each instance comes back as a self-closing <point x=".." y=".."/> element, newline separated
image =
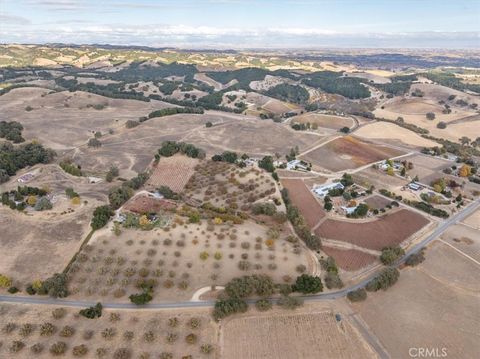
<point x="310" y="332"/>
<point x="390" y="132"/>
<point x="434" y="305"/>
<point x="473" y="220"/>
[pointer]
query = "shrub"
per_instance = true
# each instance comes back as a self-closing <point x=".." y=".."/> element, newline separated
<point x="43" y="204"/>
<point x="58" y="348"/>
<point x="26" y="329"/>
<point x="142" y="298"/>
<point x="263" y="305"/>
<point x="80" y="350"/>
<point x="195" y="323"/>
<point x="308" y="284"/>
<point x="415" y="258"/>
<point x="92" y="312"/>
<point x="391" y="254"/>
<point x="67" y="331"/>
<point x="16" y="346"/>
<point x="37" y="348"/>
<point x="122" y="353"/>
<point x="47" y="329"/>
<point x="59" y="313"/>
<point x="357" y="295"/>
<point x="191" y="338"/>
<point x="108" y="333"/>
<point x="5" y="281"/>
<point x="225" y="307"/>
<point x="93" y="142"/>
<point x="206" y="348"/>
<point x="332" y="280"/>
<point x="288" y="302"/>
<point x="384" y="280"/>
<point x="55" y="286"/>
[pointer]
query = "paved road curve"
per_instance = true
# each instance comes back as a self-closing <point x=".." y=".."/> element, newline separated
<point x="188" y="304"/>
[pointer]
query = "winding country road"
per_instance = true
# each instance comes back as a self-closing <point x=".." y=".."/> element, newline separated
<point x="189" y="304"/>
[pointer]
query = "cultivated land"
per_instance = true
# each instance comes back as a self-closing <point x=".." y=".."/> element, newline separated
<point x="302" y="198"/>
<point x="228" y="220"/>
<point x="348" y="153"/>
<point x="139" y="332"/>
<point x="312" y="332"/>
<point x="388" y="230"/>
<point x="421" y="302"/>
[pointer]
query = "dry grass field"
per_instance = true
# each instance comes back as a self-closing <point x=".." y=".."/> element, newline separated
<point x="393" y="133"/>
<point x="427" y="168"/>
<point x="473" y="220"/>
<point x="434" y="305"/>
<point x="308" y="333"/>
<point x="141" y="334"/>
<point x="173" y="172"/>
<point x="377" y="202"/>
<point x="388" y="230"/>
<point x="327" y="121"/>
<point x="144" y="204"/>
<point x="306" y="202"/>
<point x="180" y="259"/>
<point x="347" y="153"/>
<point x="465" y="239"/>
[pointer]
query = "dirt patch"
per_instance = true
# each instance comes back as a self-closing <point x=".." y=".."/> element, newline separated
<point x="348" y="152"/>
<point x="349" y="260"/>
<point x="388" y="230"/>
<point x="377" y="202"/>
<point x="302" y="198"/>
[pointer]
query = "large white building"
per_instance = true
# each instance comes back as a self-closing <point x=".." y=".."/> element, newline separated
<point x="322" y="191"/>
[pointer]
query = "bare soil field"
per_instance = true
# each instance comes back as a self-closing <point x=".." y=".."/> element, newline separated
<point x="225" y="185"/>
<point x="173" y="172"/>
<point x="393" y="133"/>
<point x="327" y="121"/>
<point x="379" y="179"/>
<point x="377" y="202"/>
<point x="308" y="333"/>
<point x="138" y="333"/>
<point x="348" y="152"/>
<point x="473" y="220"/>
<point x="417" y="312"/>
<point x="349" y="260"/>
<point x="306" y="202"/>
<point x="388" y="230"/>
<point x="179" y="259"/>
<point x="427" y="168"/>
<point x="464" y="238"/>
<point x="287" y="174"/>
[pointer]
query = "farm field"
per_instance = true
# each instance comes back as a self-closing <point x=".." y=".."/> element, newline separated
<point x="377" y="201"/>
<point x="349" y="260"/>
<point x="348" y="153"/>
<point x="173" y="172"/>
<point x="427" y="168"/>
<point x="388" y="230"/>
<point x="393" y="133"/>
<point x="473" y="220"/>
<point x="303" y="198"/>
<point x="418" y="312"/>
<point x="373" y="177"/>
<point x="179" y="259"/>
<point x="306" y="333"/>
<point x="327" y="121"/>
<point x="142" y="204"/>
<point x="464" y="238"/>
<point x="225" y="185"/>
<point x="133" y="332"/>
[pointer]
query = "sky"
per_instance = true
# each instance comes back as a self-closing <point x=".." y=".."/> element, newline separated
<point x="245" y="23"/>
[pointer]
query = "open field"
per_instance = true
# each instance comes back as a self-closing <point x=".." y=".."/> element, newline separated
<point x="327" y="121"/>
<point x="308" y="333"/>
<point x="465" y="239"/>
<point x="393" y="133"/>
<point x="151" y="332"/>
<point x="346" y="153"/>
<point x="373" y="177"/>
<point x="473" y="220"/>
<point x="434" y="305"/>
<point x="173" y="172"/>
<point x="179" y="259"/>
<point x="69" y="116"/>
<point x="143" y="204"/>
<point x="349" y="260"/>
<point x="302" y="198"/>
<point x="388" y="230"/>
<point x="377" y="202"/>
<point x="427" y="168"/>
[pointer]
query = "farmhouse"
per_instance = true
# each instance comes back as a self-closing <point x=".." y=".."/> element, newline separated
<point x="414" y="186"/>
<point x="349" y="210"/>
<point x="26" y="177"/>
<point x="297" y="165"/>
<point x="322" y="191"/>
